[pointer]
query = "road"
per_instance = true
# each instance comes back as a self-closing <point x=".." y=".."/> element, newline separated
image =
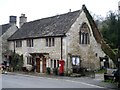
<point x="27" y="81"/>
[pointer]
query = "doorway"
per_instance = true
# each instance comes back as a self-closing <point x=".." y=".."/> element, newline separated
<point x="41" y="65"/>
<point x="38" y="65"/>
<point x="44" y="65"/>
<point x="104" y="62"/>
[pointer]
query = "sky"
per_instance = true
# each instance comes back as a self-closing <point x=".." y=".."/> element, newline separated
<point x="37" y="9"/>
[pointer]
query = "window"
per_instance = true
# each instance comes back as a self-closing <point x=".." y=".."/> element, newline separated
<point x="51" y="63"/>
<point x="46" y="41"/>
<point x="54" y="63"/>
<point x="57" y="63"/>
<point x="53" y="42"/>
<point x="84" y="34"/>
<point x="19" y="43"/>
<point x="30" y="43"/>
<point x="50" y="42"/>
<point x="29" y="60"/>
<point x="75" y="61"/>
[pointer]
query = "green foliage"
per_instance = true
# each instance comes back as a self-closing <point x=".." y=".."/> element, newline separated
<point x="48" y="71"/>
<point x="110" y="29"/>
<point x="17" y="61"/>
<point x="101" y="71"/>
<point x="55" y="71"/>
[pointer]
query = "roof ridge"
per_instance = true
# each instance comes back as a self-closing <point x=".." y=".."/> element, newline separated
<point x="58" y="25"/>
<point x="53" y="16"/>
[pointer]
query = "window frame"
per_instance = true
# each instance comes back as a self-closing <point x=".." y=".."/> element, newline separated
<point x="75" y="63"/>
<point x="18" y="43"/>
<point x="29" y="60"/>
<point x="84" y="37"/>
<point x="50" y="42"/>
<point x="29" y="43"/>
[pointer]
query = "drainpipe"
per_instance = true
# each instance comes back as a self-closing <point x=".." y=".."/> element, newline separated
<point x="14" y="46"/>
<point x="61" y="48"/>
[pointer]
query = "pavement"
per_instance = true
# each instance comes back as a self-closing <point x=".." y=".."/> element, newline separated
<point x="98" y="80"/>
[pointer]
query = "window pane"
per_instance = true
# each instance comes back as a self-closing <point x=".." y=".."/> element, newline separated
<point x="32" y="43"/>
<point x="54" y="63"/>
<point x="73" y="61"/>
<point x="53" y="42"/>
<point x="77" y="61"/>
<point x="46" y="41"/>
<point x="82" y="38"/>
<point x="49" y="42"/>
<point x="18" y="43"/>
<point x="84" y="34"/>
<point x="86" y="39"/>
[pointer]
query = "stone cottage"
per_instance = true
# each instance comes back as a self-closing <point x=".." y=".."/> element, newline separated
<point x="72" y="37"/>
<point x="6" y="30"/>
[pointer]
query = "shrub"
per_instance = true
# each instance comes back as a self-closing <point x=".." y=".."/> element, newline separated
<point x="17" y="61"/>
<point x="55" y="71"/>
<point x="48" y="70"/>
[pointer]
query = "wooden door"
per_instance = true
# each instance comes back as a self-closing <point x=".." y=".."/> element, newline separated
<point x="38" y="65"/>
<point x="44" y="65"/>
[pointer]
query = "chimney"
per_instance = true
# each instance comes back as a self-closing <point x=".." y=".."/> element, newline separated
<point x="12" y="20"/>
<point x="23" y="20"/>
<point x="119" y="7"/>
<point x="69" y="10"/>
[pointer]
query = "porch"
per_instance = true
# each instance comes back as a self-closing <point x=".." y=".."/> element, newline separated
<point x="41" y="61"/>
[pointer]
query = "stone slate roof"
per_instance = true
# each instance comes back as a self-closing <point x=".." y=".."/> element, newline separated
<point x="5" y="27"/>
<point x="47" y="27"/>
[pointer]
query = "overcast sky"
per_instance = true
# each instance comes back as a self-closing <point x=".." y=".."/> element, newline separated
<point x="36" y="9"/>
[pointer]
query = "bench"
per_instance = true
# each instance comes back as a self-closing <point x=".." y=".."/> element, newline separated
<point x="109" y="75"/>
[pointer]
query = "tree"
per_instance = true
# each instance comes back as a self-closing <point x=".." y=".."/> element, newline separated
<point x="110" y="29"/>
<point x="17" y="61"/>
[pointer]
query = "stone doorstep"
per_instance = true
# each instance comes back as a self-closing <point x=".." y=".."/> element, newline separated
<point x="75" y="75"/>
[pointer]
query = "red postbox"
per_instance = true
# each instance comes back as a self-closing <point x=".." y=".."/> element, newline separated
<point x="61" y="67"/>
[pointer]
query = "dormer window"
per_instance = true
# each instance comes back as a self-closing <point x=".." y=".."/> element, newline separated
<point x="84" y="34"/>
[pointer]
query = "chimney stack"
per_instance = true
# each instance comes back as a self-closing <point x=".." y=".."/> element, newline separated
<point x="69" y="10"/>
<point x="23" y="20"/>
<point x="12" y="20"/>
<point x="119" y="5"/>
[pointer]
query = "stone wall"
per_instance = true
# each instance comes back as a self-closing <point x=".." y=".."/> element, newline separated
<point x="87" y="52"/>
<point x="5" y="36"/>
<point x="39" y="47"/>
